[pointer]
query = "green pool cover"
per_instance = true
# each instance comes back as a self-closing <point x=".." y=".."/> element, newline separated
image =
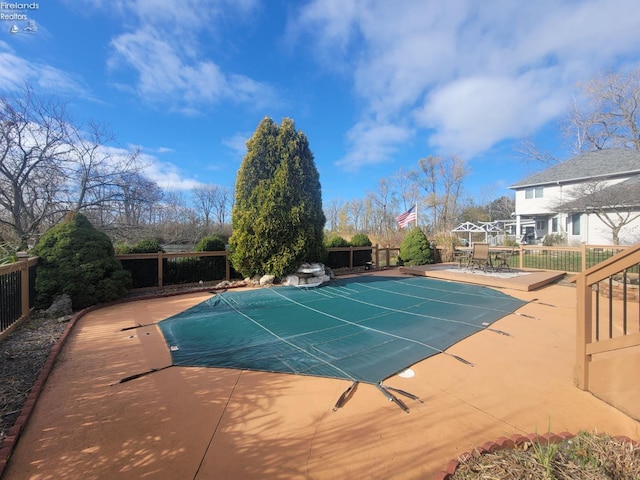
<point x="361" y="329"/>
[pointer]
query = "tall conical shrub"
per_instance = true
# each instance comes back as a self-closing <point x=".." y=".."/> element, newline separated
<point x="277" y="216"/>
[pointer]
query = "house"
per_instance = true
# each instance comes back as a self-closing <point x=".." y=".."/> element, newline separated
<point x="592" y="198"/>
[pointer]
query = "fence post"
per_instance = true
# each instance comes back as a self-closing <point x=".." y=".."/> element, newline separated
<point x="388" y="256"/>
<point x="227" y="266"/>
<point x="160" y="272"/>
<point x="521" y="265"/>
<point x="24" y="283"/>
<point x="377" y="255"/>
<point x="584" y="328"/>
<point x="350" y="257"/>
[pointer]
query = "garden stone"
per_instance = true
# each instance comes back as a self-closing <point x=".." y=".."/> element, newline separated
<point x="60" y="307"/>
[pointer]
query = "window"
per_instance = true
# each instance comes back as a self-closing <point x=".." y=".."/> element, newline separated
<point x="540" y="224"/>
<point x="575" y="222"/>
<point x="554" y="225"/>
<point x="533" y="192"/>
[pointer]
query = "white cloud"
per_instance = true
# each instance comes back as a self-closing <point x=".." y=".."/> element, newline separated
<point x="15" y="72"/>
<point x="167" y="175"/>
<point x="237" y="143"/>
<point x="465" y="75"/>
<point x="163" y="47"/>
<point x="473" y="114"/>
<point x="372" y="143"/>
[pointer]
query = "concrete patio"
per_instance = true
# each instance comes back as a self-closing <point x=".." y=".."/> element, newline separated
<point x="200" y="423"/>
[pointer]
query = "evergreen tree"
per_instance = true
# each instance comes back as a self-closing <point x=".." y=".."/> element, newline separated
<point x="80" y="261"/>
<point x="415" y="249"/>
<point x="277" y="216"/>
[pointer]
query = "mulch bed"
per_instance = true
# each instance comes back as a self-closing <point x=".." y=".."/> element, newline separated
<point x="22" y="355"/>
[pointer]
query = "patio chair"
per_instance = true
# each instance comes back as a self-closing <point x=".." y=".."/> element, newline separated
<point x="480" y="257"/>
<point x="501" y="259"/>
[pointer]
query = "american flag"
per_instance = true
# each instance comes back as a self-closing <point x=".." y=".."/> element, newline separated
<point x="407" y="217"/>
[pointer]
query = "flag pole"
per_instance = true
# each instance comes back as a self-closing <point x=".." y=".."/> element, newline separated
<point x="416" y="214"/>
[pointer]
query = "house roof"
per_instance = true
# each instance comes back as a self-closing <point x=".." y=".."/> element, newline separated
<point x="590" y="165"/>
<point x="621" y="195"/>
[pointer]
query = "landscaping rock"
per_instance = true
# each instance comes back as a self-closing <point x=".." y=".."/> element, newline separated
<point x="266" y="280"/>
<point x="61" y="307"/>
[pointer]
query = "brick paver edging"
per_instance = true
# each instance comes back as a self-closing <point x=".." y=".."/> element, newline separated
<point x="14" y="432"/>
<point x="504" y="443"/>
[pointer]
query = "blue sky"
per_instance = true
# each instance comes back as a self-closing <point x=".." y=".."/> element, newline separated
<point x="375" y="85"/>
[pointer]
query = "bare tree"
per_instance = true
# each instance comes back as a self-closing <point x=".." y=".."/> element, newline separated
<point x="205" y="201"/>
<point x="332" y="213"/>
<point x="33" y="149"/>
<point x="442" y="182"/>
<point x="94" y="170"/>
<point x="610" y="118"/>
<point x="528" y="151"/>
<point x="224" y="205"/>
<point x="405" y="184"/>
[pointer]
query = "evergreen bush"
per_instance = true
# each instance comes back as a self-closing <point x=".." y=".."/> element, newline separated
<point x="415" y="249"/>
<point x="361" y="257"/>
<point x="277" y="218"/>
<point x="337" y="259"/>
<point x="144" y="272"/>
<point x="210" y="244"/>
<point x="78" y="260"/>
<point x="147" y="245"/>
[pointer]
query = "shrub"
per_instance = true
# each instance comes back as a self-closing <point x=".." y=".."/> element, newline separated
<point x="415" y="249"/>
<point x="337" y="259"/>
<point x="210" y="268"/>
<point x="360" y="240"/>
<point x="336" y="241"/>
<point x="554" y="239"/>
<point x="78" y="260"/>
<point x="210" y="244"/>
<point x="361" y="257"/>
<point x="144" y="272"/>
<point x="147" y="245"/>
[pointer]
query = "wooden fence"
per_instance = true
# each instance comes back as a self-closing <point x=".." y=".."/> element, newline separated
<point x="17" y="280"/>
<point x="17" y="292"/>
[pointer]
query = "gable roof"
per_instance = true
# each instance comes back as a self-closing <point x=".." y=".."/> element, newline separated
<point x="590" y="165"/>
<point x="621" y="195"/>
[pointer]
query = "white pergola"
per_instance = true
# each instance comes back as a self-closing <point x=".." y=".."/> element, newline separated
<point x="488" y="228"/>
<point x="468" y="227"/>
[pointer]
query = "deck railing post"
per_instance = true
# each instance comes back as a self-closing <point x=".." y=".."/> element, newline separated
<point x="160" y="272"/>
<point x="521" y="260"/>
<point x="227" y="266"/>
<point x="584" y="328"/>
<point x="24" y="283"/>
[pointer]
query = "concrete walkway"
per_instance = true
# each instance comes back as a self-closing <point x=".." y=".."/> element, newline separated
<point x="199" y="423"/>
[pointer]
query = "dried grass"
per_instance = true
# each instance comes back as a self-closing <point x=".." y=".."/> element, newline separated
<point x="587" y="456"/>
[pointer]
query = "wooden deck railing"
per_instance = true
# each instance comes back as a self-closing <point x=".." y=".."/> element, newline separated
<point x="608" y="310"/>
<point x="17" y="285"/>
